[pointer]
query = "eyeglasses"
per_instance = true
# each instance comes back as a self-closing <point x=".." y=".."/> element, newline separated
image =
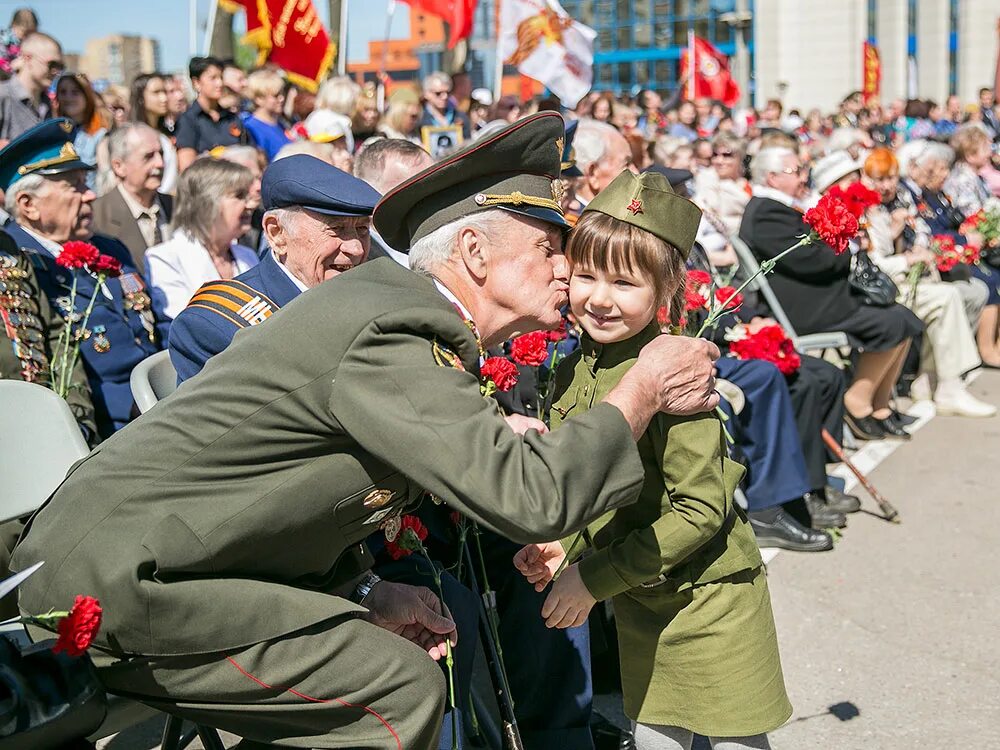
<point x="438" y="93"/>
<point x="724" y="154"/>
<point x="794" y="170"/>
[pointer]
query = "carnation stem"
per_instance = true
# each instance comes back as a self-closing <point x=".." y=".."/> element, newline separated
<point x="913" y="280"/>
<point x="61" y="384"/>
<point x="449" y="660"/>
<point x="765" y="268"/>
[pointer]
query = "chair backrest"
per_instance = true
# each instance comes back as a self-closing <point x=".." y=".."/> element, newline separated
<point x="760" y="283"/>
<point x="153" y="380"/>
<point x="39" y="441"/>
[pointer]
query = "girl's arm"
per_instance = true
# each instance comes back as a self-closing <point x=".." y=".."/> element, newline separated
<point x="700" y="480"/>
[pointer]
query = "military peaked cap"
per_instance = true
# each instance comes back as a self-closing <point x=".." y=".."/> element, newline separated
<point x="648" y="202"/>
<point x="515" y="169"/>
<point x="307" y="182"/>
<point x="46" y="149"/>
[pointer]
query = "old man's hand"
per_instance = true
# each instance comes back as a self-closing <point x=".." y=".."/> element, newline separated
<point x="413" y="612"/>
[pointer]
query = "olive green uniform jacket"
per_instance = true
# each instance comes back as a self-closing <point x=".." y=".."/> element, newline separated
<point x="696" y="634"/>
<point x="216" y="519"/>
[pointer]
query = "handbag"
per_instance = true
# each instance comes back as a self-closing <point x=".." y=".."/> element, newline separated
<point x="870" y="283"/>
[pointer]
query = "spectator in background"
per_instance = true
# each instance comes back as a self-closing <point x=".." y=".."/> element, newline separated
<point x="603" y="109"/>
<point x="334" y="107"/>
<point x="235" y="79"/>
<point x="213" y="208"/>
<point x="116" y="101"/>
<point x="177" y="103"/>
<point x="321" y="151"/>
<point x="150" y="104"/>
<point x="77" y="100"/>
<point x="508" y="109"/>
<point x="987" y="113"/>
<point x="402" y="118"/>
<point x="965" y="187"/>
<point x="205" y="124"/>
<point x="364" y="121"/>
<point x="674" y="153"/>
<point x="721" y="190"/>
<point x="23" y="22"/>
<point x="439" y="109"/>
<point x="254" y="160"/>
<point x="651" y="122"/>
<point x="702" y="154"/>
<point x="850" y="107"/>
<point x="135" y="211"/>
<point x="686" y="126"/>
<point x="601" y="155"/>
<point x="23" y="100"/>
<point x="480" y="103"/>
<point x="770" y="117"/>
<point x="266" y="90"/>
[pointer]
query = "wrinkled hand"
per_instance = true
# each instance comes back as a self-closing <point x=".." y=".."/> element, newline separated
<point x="414" y="613"/>
<point x="520" y="424"/>
<point x="539" y="562"/>
<point x="677" y="372"/>
<point x="569" y="602"/>
<point x="920" y="254"/>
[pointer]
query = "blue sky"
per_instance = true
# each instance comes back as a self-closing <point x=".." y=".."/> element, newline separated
<point x="73" y="22"/>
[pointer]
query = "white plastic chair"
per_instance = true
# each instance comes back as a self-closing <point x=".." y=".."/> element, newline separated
<point x="39" y="441"/>
<point x="153" y="380"/>
<point x="808" y="342"/>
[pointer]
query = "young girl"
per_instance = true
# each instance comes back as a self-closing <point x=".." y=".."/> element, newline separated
<point x="696" y="634"/>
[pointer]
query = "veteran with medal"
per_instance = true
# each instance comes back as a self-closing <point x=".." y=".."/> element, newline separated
<point x="221" y="531"/>
<point x="46" y="194"/>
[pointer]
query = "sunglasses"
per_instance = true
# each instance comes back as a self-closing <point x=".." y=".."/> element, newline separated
<point x="438" y="93"/>
<point x="725" y="154"/>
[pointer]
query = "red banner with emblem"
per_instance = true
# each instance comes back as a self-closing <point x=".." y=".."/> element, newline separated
<point x="872" y="66"/>
<point x="709" y="75"/>
<point x="289" y="34"/>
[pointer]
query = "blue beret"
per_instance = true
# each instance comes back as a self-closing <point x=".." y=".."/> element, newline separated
<point x="307" y="182"/>
<point x="45" y="149"/>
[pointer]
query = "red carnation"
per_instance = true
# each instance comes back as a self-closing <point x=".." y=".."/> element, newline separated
<point x="972" y="255"/>
<point x="531" y="349"/>
<point x="693" y="300"/>
<point x="107" y="265"/>
<point x="723" y="294"/>
<point x="663" y="315"/>
<point x="556" y="335"/>
<point x="832" y="222"/>
<point x="857" y="198"/>
<point x="78" y="629"/>
<point x="971" y="223"/>
<point x="501" y="371"/>
<point x="769" y="344"/>
<point x="77" y="255"/>
<point x="412" y="533"/>
<point x="698" y="278"/>
<point x="948" y="254"/>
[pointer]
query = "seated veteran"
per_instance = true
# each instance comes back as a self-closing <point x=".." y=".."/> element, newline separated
<point x="213" y="209"/>
<point x="166" y="523"/>
<point x="47" y="194"/>
<point x="135" y="211"/>
<point x="316" y="221"/>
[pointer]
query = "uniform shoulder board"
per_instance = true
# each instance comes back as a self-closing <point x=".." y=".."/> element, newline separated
<point x="238" y="303"/>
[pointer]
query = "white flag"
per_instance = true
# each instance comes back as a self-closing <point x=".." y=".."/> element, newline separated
<point x="540" y="39"/>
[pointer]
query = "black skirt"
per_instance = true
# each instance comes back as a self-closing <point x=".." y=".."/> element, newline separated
<point x="877" y="329"/>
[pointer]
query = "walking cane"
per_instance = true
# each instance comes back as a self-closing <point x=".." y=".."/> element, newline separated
<point x="891" y="514"/>
<point x="512" y="736"/>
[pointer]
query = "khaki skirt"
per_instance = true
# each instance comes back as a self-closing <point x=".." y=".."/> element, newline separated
<point x="705" y="659"/>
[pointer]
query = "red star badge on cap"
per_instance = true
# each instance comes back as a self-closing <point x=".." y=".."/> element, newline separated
<point x="635" y="207"/>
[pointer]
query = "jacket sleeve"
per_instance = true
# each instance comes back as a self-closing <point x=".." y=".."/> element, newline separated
<point x="774" y="230"/>
<point x="195" y="337"/>
<point x="433" y="425"/>
<point x="700" y="481"/>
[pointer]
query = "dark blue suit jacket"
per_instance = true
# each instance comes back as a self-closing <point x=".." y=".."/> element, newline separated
<point x="130" y="342"/>
<point x="198" y="334"/>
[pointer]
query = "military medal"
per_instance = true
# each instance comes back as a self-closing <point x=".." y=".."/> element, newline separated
<point x="392" y="527"/>
<point x="101" y="342"/>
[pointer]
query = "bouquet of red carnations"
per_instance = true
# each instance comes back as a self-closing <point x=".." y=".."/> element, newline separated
<point x="768" y="343"/>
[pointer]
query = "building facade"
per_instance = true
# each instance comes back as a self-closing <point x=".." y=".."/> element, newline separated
<point x="117" y="59"/>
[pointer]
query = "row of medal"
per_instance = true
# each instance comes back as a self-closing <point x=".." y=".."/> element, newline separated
<point x="19" y="312"/>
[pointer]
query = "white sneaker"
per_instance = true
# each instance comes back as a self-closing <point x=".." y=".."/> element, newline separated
<point x="920" y="388"/>
<point x="960" y="403"/>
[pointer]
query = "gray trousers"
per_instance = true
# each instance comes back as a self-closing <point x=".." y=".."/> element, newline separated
<point x="658" y="737"/>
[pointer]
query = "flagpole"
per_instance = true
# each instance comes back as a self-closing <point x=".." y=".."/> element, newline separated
<point x="390" y="12"/>
<point x="692" y="65"/>
<point x="193" y="27"/>
<point x="498" y="72"/>
<point x="342" y="51"/>
<point x="210" y="27"/>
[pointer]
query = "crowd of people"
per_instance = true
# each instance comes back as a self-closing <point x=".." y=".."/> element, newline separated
<point x="219" y="198"/>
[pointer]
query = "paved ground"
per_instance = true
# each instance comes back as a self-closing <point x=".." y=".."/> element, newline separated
<point x="890" y="641"/>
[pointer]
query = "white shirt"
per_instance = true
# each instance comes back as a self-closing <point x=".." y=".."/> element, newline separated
<point x="176" y="268"/>
<point x="147" y="219"/>
<point x="402" y="258"/>
<point x="764" y="191"/>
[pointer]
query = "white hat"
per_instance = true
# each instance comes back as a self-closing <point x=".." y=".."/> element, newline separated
<point x="482" y="96"/>
<point x="831" y="168"/>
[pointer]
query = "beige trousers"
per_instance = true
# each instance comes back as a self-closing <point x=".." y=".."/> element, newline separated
<point x="949" y="346"/>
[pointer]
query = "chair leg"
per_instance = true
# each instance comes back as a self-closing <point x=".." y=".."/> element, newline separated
<point x="171" y="733"/>
<point x="210" y="737"/>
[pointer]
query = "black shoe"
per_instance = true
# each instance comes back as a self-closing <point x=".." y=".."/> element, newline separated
<point x="822" y="515"/>
<point x="785" y="532"/>
<point x="903" y="420"/>
<point x="892" y="429"/>
<point x="865" y="428"/>
<point x="840" y="501"/>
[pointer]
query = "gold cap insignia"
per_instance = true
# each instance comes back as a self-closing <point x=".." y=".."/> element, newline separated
<point x="558" y="190"/>
<point x="66" y="153"/>
<point x="67" y="126"/>
<point x="377" y="498"/>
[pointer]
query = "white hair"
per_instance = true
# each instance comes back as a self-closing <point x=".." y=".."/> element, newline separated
<point x="339" y="95"/>
<point x="439" y="77"/>
<point x="591" y="142"/>
<point x="322" y="151"/>
<point x="768" y="161"/>
<point x="31" y="184"/>
<point x="247" y="156"/>
<point x="906" y="153"/>
<point x="934" y="151"/>
<point x="843" y="138"/>
<point x="433" y="250"/>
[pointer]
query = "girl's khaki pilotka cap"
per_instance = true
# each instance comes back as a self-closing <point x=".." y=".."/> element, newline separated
<point x="647" y="201"/>
<point x="515" y="169"/>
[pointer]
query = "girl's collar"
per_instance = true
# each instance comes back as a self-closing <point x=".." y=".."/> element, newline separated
<point x="613" y="354"/>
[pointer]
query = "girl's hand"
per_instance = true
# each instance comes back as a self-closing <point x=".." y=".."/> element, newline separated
<point x="539" y="562"/>
<point x="569" y="602"/>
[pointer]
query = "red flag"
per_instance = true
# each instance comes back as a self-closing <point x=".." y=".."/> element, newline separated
<point x="872" y="67"/>
<point x="711" y="75"/>
<point x="289" y="34"/>
<point x="456" y="13"/>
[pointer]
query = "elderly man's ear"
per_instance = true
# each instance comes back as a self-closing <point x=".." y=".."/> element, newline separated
<point x="277" y="235"/>
<point x="474" y="250"/>
<point x="27" y="207"/>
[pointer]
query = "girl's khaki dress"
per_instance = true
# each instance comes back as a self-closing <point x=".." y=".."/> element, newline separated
<point x="695" y="629"/>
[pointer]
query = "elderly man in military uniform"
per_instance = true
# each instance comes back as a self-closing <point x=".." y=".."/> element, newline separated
<point x="47" y="195"/>
<point x="214" y="529"/>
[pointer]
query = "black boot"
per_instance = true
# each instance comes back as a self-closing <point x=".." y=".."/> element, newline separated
<point x="840" y="501"/>
<point x="822" y="515"/>
<point x="774" y="527"/>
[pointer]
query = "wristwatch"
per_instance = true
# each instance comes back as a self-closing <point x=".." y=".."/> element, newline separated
<point x="364" y="587"/>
